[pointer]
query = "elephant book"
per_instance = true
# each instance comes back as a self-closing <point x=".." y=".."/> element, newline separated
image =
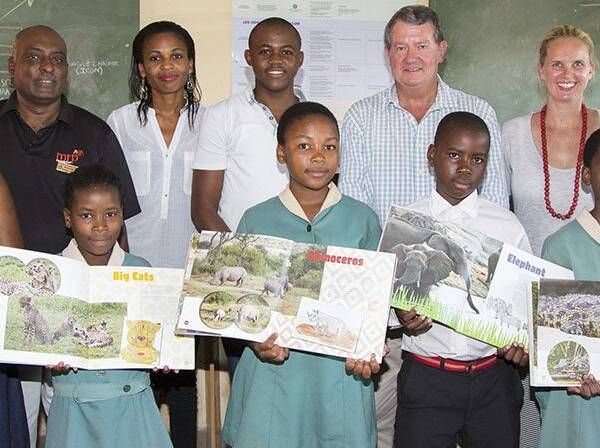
<point x="323" y="299"/>
<point x="56" y="309"/>
<point x="463" y="279"/>
<point x="565" y="332"/>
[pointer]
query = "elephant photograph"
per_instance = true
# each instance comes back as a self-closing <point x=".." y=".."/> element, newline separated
<point x="431" y="252"/>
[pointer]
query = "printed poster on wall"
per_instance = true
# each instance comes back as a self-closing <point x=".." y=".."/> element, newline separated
<point x="344" y="58"/>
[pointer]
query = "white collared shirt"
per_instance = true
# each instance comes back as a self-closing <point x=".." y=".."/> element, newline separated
<point x="163" y="183"/>
<point x="239" y="135"/>
<point x="477" y="214"/>
<point x="117" y="256"/>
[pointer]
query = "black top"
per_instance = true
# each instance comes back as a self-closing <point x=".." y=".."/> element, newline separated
<point x="36" y="165"/>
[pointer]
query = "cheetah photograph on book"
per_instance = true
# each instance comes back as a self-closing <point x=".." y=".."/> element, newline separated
<point x="56" y="309"/>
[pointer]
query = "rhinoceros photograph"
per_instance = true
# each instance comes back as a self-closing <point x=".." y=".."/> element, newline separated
<point x="268" y="272"/>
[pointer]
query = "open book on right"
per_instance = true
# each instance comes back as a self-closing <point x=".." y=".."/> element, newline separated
<point x="564" y="326"/>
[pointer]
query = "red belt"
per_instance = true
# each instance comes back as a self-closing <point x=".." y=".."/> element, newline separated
<point x="455" y="366"/>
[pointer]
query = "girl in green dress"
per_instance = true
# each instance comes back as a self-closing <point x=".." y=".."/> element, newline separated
<point x="570" y="417"/>
<point x="288" y="398"/>
<point x="101" y="408"/>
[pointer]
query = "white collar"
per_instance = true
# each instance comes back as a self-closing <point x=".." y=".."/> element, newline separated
<point x="468" y="205"/>
<point x="152" y="111"/>
<point x="249" y="94"/>
<point x="589" y="224"/>
<point x="117" y="255"/>
<point x="290" y="202"/>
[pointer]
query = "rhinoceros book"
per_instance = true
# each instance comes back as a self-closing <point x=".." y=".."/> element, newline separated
<point x="463" y="279"/>
<point x="322" y="299"/>
<point x="565" y="332"/>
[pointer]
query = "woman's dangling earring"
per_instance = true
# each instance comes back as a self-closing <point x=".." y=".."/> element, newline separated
<point x="189" y="85"/>
<point x="143" y="89"/>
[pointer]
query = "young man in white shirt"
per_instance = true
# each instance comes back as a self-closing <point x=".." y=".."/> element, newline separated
<point x="235" y="166"/>
<point x="451" y="386"/>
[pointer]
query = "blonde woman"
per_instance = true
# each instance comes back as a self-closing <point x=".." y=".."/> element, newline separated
<point x="544" y="154"/>
<point x="544" y="149"/>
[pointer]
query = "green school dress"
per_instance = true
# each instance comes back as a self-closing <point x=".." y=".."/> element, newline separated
<point x="105" y="408"/>
<point x="308" y="401"/>
<point x="570" y="421"/>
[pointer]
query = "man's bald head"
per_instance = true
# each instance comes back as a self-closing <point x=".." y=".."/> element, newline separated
<point x="38" y="65"/>
<point x="273" y="22"/>
<point x="43" y="29"/>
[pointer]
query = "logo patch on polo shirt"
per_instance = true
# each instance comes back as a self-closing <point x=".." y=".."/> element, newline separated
<point x="65" y="162"/>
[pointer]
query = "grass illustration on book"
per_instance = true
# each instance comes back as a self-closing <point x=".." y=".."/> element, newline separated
<point x="489" y="332"/>
<point x="465" y="323"/>
<point x="405" y="299"/>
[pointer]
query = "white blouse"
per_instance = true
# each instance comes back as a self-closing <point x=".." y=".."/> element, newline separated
<point x="162" y="177"/>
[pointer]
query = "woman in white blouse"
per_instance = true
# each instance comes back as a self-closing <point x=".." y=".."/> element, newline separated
<point x="158" y="134"/>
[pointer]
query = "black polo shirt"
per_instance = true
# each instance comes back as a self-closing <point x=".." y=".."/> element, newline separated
<point x="36" y="165"/>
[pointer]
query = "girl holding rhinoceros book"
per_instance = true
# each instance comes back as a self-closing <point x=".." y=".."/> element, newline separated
<point x="284" y="397"/>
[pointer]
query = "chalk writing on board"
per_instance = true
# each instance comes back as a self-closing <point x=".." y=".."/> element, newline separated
<point x="6" y="35"/>
<point x="14" y="8"/>
<point x="92" y="67"/>
<point x="5" y="87"/>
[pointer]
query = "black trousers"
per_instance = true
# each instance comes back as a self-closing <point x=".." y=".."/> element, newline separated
<point x="179" y="392"/>
<point x="437" y="408"/>
<point x="14" y="432"/>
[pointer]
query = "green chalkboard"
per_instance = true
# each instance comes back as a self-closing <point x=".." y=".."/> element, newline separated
<point x="493" y="47"/>
<point x="98" y="35"/>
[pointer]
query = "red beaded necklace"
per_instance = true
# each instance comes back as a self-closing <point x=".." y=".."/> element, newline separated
<point x="577" y="169"/>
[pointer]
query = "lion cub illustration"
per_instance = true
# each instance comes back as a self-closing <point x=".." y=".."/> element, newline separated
<point x="140" y="337"/>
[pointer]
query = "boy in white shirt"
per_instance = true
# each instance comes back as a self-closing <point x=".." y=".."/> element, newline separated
<point x="450" y="386"/>
<point x="235" y="166"/>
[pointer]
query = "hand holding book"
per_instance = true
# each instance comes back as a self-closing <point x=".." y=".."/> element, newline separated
<point x="413" y="323"/>
<point x="589" y="388"/>
<point x="269" y="351"/>
<point x="514" y="353"/>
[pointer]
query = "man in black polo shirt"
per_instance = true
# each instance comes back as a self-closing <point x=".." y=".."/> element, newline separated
<point x="43" y="139"/>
